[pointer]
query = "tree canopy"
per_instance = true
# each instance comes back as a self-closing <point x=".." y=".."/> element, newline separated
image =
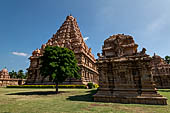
<point x="19" y="75"/>
<point x="167" y="59"/>
<point x="58" y="63"/>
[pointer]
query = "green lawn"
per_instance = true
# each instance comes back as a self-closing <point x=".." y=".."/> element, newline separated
<point x="13" y="100"/>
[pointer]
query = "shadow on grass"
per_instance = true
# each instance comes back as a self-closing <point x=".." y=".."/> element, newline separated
<point x="38" y="93"/>
<point x="88" y="97"/>
<point x="163" y="90"/>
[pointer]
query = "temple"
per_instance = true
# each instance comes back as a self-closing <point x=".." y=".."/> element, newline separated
<point x="161" y="72"/>
<point x="68" y="36"/>
<point x="4" y="74"/>
<point x="5" y="79"/>
<point x="125" y="75"/>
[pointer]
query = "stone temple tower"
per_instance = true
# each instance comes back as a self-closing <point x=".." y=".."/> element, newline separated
<point x="68" y="36"/>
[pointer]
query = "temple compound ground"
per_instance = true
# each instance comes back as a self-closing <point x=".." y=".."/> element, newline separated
<point x="125" y="75"/>
<point x="40" y="100"/>
<point x="6" y="80"/>
<point x="68" y="36"/>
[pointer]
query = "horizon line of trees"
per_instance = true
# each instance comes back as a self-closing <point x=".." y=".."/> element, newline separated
<point x="18" y="75"/>
<point x="167" y="59"/>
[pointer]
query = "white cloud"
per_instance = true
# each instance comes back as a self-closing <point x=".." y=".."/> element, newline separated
<point x="20" y="54"/>
<point x="86" y="38"/>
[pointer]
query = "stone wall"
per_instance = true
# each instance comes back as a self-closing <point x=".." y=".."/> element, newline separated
<point x="6" y="82"/>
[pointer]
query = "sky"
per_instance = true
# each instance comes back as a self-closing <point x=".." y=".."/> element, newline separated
<point x="27" y="24"/>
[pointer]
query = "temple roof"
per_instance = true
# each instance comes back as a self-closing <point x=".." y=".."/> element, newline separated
<point x="4" y="70"/>
<point x="69" y="36"/>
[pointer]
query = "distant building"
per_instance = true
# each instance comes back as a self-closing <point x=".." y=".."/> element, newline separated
<point x="5" y="79"/>
<point x="4" y="74"/>
<point x="68" y="36"/>
<point x="161" y="72"/>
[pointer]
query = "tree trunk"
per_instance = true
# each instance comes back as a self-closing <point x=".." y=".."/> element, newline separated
<point x="56" y="87"/>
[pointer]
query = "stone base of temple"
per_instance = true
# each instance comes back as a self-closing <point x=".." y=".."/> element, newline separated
<point x="52" y="83"/>
<point x="163" y="87"/>
<point x="75" y="82"/>
<point x="46" y="81"/>
<point x="130" y="97"/>
<point x="6" y="82"/>
<point x="131" y="100"/>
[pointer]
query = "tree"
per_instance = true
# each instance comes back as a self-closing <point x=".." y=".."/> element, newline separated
<point x="167" y="59"/>
<point x="20" y="74"/>
<point x="58" y="64"/>
<point x="13" y="74"/>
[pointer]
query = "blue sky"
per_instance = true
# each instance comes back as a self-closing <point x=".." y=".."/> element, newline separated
<point x="27" y="24"/>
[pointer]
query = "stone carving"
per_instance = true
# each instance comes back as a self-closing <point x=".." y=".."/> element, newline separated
<point x="119" y="45"/>
<point x="68" y="36"/>
<point x="161" y="72"/>
<point x="124" y="74"/>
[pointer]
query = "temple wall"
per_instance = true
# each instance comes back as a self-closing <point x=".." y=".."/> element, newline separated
<point x="6" y="82"/>
<point x="160" y="72"/>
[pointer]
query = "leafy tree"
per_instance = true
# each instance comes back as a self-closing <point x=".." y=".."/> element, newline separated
<point x="20" y="74"/>
<point x="13" y="74"/>
<point x="26" y="75"/>
<point x="167" y="59"/>
<point x="58" y="64"/>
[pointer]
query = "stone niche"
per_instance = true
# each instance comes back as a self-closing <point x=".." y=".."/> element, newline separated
<point x="125" y="74"/>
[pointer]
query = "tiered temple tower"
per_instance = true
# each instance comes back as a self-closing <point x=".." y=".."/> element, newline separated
<point x="68" y="36"/>
<point x="125" y="74"/>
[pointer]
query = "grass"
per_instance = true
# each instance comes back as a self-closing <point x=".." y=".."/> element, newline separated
<point x="13" y="100"/>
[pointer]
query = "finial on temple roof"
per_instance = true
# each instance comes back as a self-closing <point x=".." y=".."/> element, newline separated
<point x="154" y="54"/>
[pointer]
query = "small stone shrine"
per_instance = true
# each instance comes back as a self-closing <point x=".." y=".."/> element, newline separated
<point x="5" y="79"/>
<point x="4" y="74"/>
<point x="125" y="74"/>
<point x="68" y="36"/>
<point x="161" y="72"/>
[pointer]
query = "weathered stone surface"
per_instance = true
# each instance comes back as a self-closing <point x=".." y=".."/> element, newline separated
<point x="161" y="72"/>
<point x="68" y="36"/>
<point x="125" y="74"/>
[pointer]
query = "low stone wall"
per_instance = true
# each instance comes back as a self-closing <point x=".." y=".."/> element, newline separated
<point x="6" y="82"/>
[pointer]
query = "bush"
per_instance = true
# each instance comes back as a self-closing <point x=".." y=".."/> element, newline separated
<point x="95" y="85"/>
<point x="46" y="86"/>
<point x="90" y="85"/>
